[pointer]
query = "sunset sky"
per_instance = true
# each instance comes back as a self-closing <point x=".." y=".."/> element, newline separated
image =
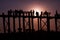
<point x="42" y="5"/>
<point x="37" y="5"/>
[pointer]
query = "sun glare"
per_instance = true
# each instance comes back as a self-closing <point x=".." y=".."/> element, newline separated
<point x="37" y="10"/>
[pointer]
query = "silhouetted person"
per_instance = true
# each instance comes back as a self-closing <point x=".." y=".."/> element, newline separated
<point x="37" y="13"/>
<point x="21" y="11"/>
<point x="33" y="12"/>
<point x="10" y="11"/>
<point x="16" y="12"/>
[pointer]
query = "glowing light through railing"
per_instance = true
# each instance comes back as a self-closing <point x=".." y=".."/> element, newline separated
<point x="37" y="10"/>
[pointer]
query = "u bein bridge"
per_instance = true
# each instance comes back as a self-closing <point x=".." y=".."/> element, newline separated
<point x="30" y="15"/>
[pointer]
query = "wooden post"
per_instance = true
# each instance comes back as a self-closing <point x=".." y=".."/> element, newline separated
<point x="40" y="21"/>
<point x="48" y="20"/>
<point x="23" y="23"/>
<point x="19" y="22"/>
<point x="56" y="21"/>
<point x="14" y="23"/>
<point x="48" y="23"/>
<point x="8" y="22"/>
<point x="29" y="22"/>
<point x="4" y="23"/>
<point x="32" y="14"/>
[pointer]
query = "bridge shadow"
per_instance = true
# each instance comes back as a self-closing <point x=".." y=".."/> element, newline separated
<point x="41" y="35"/>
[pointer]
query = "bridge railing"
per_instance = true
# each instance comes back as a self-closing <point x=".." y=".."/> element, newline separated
<point x="30" y="15"/>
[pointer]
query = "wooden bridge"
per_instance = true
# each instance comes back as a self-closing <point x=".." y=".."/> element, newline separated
<point x="30" y="15"/>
